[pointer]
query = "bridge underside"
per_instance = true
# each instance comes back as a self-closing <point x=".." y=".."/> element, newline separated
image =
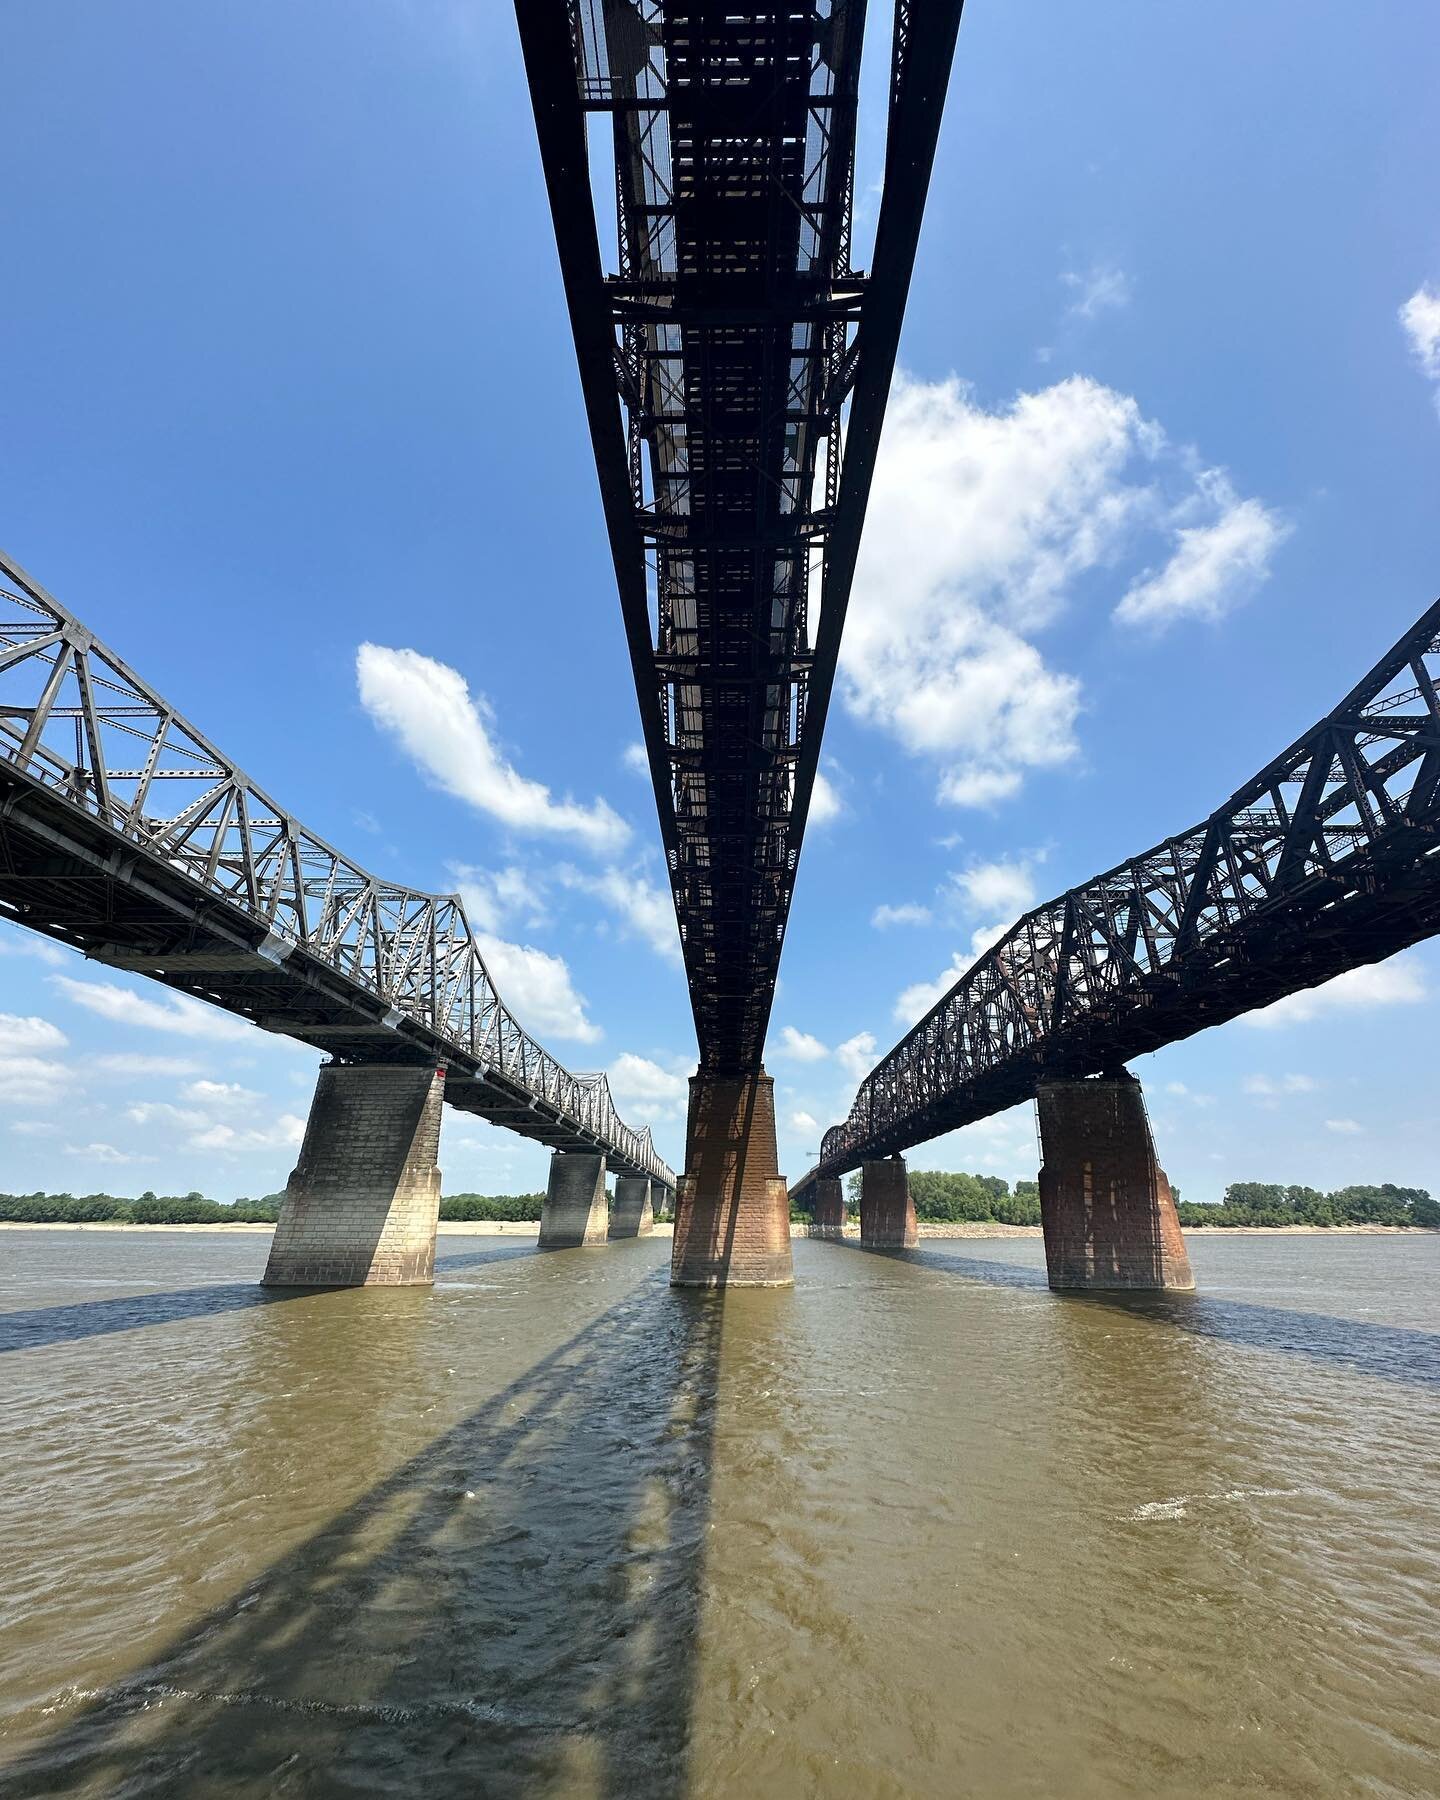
<point x="66" y="874"/>
<point x="735" y="370"/>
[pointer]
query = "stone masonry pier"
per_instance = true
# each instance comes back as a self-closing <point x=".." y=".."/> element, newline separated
<point x="576" y="1210"/>
<point x="633" y="1214"/>
<point x="361" y="1205"/>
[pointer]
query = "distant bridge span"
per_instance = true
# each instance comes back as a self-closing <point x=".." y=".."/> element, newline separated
<point x="1327" y="859"/>
<point x="126" y="834"/>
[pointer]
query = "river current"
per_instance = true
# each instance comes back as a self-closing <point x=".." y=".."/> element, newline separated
<point x="917" y="1528"/>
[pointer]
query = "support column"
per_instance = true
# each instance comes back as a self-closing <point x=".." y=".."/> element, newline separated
<point x="361" y="1205"/>
<point x="732" y="1207"/>
<point x="576" y="1209"/>
<point x="829" y="1221"/>
<point x="632" y="1214"/>
<point x="1105" y="1202"/>
<point x="887" y="1213"/>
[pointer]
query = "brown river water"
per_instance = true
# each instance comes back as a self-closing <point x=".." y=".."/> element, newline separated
<point x="917" y="1528"/>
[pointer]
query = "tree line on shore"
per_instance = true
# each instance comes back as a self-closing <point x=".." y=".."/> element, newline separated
<point x="941" y="1198"/>
<point x="946" y="1199"/>
<point x="195" y="1209"/>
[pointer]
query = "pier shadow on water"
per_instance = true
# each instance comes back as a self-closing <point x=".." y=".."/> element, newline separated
<point x="1391" y="1352"/>
<point x="513" y="1612"/>
<point x="35" y="1327"/>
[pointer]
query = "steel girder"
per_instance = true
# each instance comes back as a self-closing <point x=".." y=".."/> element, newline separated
<point x="128" y="835"/>
<point x="1327" y="859"/>
<point x="735" y="370"/>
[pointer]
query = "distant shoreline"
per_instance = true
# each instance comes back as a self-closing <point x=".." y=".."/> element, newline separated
<point x="521" y="1228"/>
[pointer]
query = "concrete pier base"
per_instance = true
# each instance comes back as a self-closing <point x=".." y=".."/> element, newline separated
<point x="1105" y="1203"/>
<point x="732" y="1206"/>
<point x="887" y="1213"/>
<point x="829" y="1220"/>
<point x="361" y="1205"/>
<point x="632" y="1215"/>
<point x="576" y="1209"/>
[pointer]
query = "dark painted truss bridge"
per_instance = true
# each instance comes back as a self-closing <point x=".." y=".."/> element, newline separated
<point x="126" y="834"/>
<point x="735" y="368"/>
<point x="1328" y="859"/>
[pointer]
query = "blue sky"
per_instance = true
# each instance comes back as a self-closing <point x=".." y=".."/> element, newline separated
<point x="287" y="373"/>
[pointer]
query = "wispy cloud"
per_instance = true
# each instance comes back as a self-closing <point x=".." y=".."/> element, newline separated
<point x="1398" y="982"/>
<point x="448" y="734"/>
<point x="1099" y="289"/>
<point x="909" y="912"/>
<point x="1420" y="320"/>
<point x="177" y="1013"/>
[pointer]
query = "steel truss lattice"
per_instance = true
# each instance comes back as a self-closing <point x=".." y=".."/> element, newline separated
<point x="1329" y="858"/>
<point x="127" y="834"/>
<point x="735" y="370"/>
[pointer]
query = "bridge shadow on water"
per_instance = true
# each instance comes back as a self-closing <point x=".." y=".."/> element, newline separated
<point x="513" y="1612"/>
<point x="38" y="1326"/>
<point x="1391" y="1352"/>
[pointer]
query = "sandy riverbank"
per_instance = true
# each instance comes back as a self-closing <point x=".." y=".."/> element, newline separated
<point x="964" y="1229"/>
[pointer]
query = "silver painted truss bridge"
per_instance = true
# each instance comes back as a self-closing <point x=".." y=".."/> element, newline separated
<point x="126" y="834"/>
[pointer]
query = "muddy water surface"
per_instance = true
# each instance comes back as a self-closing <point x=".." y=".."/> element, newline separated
<point x="918" y="1528"/>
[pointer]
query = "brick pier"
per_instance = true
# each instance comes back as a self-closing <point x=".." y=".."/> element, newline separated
<point x="1105" y="1202"/>
<point x="361" y="1205"/>
<point x="732" y="1207"/>
<point x="829" y="1220"/>
<point x="887" y="1213"/>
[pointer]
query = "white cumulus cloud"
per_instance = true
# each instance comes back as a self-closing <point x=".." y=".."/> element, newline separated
<point x="1344" y="1127"/>
<point x="538" y="989"/>
<point x="447" y="733"/>
<point x="999" y="889"/>
<point x="653" y="1092"/>
<point x="800" y="1046"/>
<point x="981" y="526"/>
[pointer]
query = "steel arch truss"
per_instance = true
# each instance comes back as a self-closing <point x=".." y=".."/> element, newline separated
<point x="735" y="370"/>
<point x="1328" y="859"/>
<point x="125" y="833"/>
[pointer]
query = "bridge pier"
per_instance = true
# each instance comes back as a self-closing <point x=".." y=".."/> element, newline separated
<point x="361" y="1206"/>
<point x="1105" y="1203"/>
<point x="576" y="1210"/>
<point x="829" y="1220"/>
<point x="633" y="1213"/>
<point x="887" y="1213"/>
<point x="732" y="1206"/>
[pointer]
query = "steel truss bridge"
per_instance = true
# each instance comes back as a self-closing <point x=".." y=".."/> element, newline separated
<point x="126" y="834"/>
<point x="735" y="369"/>
<point x="1329" y="858"/>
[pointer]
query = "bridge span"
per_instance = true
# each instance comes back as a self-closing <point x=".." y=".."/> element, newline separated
<point x="735" y="368"/>
<point x="129" y="836"/>
<point x="1327" y="859"/>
